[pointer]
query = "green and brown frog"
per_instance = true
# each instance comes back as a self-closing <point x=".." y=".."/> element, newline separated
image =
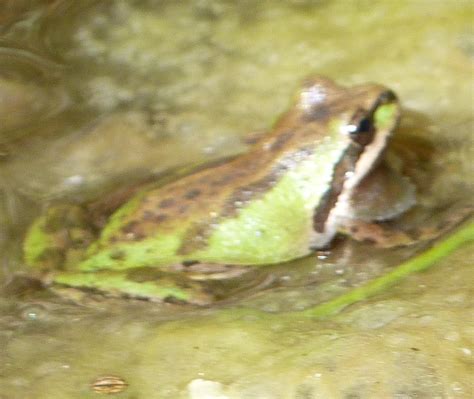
<point x="298" y="186"/>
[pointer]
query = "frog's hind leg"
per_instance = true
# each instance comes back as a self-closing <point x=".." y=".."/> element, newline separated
<point x="58" y="237"/>
<point x="227" y="281"/>
<point x="145" y="283"/>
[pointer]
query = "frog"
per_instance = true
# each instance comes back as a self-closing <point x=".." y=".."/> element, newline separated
<point x="296" y="188"/>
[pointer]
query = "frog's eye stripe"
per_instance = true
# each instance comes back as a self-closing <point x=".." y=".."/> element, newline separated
<point x="346" y="163"/>
<point x="362" y="128"/>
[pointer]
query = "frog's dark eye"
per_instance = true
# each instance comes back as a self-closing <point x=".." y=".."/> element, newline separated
<point x="364" y="132"/>
<point x="364" y="125"/>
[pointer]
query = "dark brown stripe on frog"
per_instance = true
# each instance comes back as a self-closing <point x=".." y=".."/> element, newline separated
<point x="281" y="140"/>
<point x="150" y="216"/>
<point x="243" y="195"/>
<point x="196" y="236"/>
<point x="193" y="193"/>
<point x="167" y="203"/>
<point x="346" y="164"/>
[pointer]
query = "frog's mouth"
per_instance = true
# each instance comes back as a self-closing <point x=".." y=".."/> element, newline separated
<point x="370" y="134"/>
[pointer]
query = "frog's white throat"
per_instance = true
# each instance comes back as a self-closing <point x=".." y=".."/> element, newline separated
<point x="343" y="209"/>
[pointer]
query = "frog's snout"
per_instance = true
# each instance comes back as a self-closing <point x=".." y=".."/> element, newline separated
<point x="386" y="97"/>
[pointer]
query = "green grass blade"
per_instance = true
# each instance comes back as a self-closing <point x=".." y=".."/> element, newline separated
<point x="418" y="263"/>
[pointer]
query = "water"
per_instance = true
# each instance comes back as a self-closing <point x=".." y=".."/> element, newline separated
<point x="97" y="94"/>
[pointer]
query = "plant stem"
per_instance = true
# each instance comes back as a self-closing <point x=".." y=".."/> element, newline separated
<point x="416" y="264"/>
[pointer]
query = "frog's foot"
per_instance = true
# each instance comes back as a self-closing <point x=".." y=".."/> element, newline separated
<point x="146" y="283"/>
<point x="380" y="234"/>
<point x="402" y="232"/>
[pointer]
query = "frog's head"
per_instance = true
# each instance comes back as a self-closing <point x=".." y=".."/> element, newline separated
<point x="361" y="118"/>
<point x="357" y="123"/>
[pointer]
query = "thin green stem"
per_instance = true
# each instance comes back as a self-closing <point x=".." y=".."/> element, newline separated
<point x="416" y="264"/>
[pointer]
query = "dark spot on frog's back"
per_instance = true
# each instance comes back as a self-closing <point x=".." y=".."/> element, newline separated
<point x="166" y="203"/>
<point x="131" y="232"/>
<point x="193" y="193"/>
<point x="117" y="254"/>
<point x="129" y="227"/>
<point x="150" y="216"/>
<point x="182" y="209"/>
<point x="195" y="238"/>
<point x="161" y="217"/>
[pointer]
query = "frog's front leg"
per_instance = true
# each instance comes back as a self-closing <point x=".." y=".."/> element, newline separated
<point x="383" y="211"/>
<point x="414" y="227"/>
<point x="142" y="283"/>
<point x="381" y="234"/>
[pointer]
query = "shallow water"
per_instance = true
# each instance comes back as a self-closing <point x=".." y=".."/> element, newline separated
<point x="97" y="94"/>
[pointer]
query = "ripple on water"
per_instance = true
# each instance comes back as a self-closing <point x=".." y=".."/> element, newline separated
<point x="31" y="92"/>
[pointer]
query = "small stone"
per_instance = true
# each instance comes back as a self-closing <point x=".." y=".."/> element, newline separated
<point x="452" y="336"/>
<point x="33" y="312"/>
<point x="109" y="384"/>
<point x="204" y="389"/>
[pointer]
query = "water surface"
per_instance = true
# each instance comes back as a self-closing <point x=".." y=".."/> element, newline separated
<point x="95" y="94"/>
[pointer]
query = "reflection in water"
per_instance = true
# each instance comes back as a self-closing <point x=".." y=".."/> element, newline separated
<point x="30" y="92"/>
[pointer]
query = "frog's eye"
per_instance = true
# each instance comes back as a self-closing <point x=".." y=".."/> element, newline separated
<point x="364" y="125"/>
<point x="363" y="132"/>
